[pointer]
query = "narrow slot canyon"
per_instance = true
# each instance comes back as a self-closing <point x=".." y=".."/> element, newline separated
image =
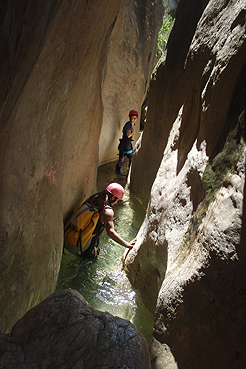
<point x="71" y="71"/>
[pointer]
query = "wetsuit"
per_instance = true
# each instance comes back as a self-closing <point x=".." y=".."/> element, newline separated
<point x="125" y="147"/>
<point x="94" y="249"/>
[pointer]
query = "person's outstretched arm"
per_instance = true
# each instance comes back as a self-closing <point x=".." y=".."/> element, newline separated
<point x="109" y="225"/>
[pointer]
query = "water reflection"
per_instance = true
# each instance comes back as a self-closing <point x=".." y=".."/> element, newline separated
<point x="102" y="282"/>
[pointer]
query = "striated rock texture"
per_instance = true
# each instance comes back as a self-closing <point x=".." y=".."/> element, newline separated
<point x="64" y="331"/>
<point x="57" y="72"/>
<point x="190" y="255"/>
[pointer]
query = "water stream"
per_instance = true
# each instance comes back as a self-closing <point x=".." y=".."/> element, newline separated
<point x="102" y="282"/>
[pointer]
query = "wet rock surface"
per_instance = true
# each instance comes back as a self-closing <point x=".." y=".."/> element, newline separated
<point x="64" y="331"/>
<point x="189" y="171"/>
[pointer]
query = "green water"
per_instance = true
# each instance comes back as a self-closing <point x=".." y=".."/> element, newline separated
<point x="102" y="282"/>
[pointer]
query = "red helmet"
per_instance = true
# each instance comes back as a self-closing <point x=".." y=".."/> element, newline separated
<point x="116" y="189"/>
<point x="133" y="112"/>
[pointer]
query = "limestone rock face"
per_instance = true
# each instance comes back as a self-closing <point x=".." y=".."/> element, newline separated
<point x="204" y="66"/>
<point x="58" y="77"/>
<point x="190" y="165"/>
<point x="130" y="61"/>
<point x="64" y="331"/>
<point x="161" y="356"/>
<point x="200" y="312"/>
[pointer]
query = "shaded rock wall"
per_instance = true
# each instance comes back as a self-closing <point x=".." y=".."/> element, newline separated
<point x="53" y="70"/>
<point x="64" y="331"/>
<point x="191" y="162"/>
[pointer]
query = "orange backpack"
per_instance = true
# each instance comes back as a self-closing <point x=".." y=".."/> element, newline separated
<point x="79" y="229"/>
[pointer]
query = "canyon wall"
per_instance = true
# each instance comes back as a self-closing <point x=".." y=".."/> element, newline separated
<point x="189" y="170"/>
<point x="57" y="70"/>
<point x="130" y="61"/>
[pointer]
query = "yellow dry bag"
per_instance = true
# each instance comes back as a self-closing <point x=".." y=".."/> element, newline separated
<point x="79" y="229"/>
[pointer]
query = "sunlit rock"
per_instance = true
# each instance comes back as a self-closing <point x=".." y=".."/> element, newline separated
<point x="161" y="356"/>
<point x="189" y="170"/>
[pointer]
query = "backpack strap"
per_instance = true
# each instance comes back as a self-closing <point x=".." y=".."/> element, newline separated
<point x="79" y="240"/>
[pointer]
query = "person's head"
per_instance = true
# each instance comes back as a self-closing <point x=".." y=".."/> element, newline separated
<point x="133" y="115"/>
<point x="115" y="192"/>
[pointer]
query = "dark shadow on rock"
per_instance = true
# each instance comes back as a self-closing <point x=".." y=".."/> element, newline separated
<point x="64" y="331"/>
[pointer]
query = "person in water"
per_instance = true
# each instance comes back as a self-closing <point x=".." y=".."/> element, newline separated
<point x="99" y="208"/>
<point x="125" y="147"/>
